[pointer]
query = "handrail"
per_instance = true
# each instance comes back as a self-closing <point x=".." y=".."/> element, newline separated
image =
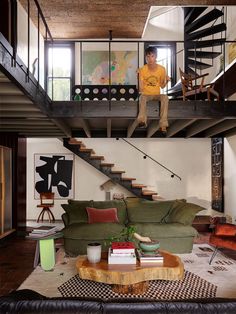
<point x="173" y="174"/>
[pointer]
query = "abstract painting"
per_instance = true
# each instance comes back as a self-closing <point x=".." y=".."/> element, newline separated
<point x="54" y="173"/>
<point x="122" y="70"/>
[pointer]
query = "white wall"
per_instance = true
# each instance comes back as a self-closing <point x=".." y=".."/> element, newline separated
<point x="190" y="159"/>
<point x="230" y="176"/>
<point x="22" y="43"/>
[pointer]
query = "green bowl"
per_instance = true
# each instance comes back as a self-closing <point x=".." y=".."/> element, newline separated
<point x="149" y="246"/>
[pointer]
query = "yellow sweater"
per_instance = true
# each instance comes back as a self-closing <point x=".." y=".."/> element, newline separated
<point x="152" y="81"/>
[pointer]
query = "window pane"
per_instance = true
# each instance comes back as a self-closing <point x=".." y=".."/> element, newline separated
<point x="61" y="89"/>
<point x="164" y="58"/>
<point x="60" y="59"/>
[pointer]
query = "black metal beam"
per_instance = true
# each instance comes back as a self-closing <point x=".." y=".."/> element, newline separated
<point x="128" y="109"/>
<point x="18" y="75"/>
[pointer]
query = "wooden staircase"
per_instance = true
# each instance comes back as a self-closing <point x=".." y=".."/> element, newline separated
<point x="89" y="155"/>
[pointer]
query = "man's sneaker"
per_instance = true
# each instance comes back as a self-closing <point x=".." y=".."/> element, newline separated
<point x="163" y="130"/>
<point x="142" y="125"/>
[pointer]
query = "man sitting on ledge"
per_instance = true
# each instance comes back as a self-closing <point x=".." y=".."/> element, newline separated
<point x="152" y="77"/>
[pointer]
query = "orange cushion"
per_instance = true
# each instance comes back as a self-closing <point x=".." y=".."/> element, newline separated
<point x="225" y="230"/>
<point x="228" y="242"/>
<point x="101" y="215"/>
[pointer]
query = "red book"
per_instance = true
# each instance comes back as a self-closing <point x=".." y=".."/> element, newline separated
<point x="123" y="247"/>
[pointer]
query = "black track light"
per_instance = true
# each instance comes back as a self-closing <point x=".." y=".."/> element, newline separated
<point x="144" y="157"/>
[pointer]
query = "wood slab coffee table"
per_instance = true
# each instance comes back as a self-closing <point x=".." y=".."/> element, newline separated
<point x="130" y="278"/>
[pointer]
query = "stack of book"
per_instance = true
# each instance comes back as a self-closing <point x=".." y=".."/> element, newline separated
<point x="147" y="258"/>
<point x="122" y="253"/>
<point x="43" y="231"/>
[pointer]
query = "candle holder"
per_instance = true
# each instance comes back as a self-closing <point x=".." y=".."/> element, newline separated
<point x="94" y="251"/>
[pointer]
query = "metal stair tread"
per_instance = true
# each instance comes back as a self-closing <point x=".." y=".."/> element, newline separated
<point x="204" y="20"/>
<point x="203" y="54"/>
<point x="191" y="14"/>
<point x="204" y="43"/>
<point x="198" y="64"/>
<point x="207" y="32"/>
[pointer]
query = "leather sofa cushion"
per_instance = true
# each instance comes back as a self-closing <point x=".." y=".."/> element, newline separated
<point x="29" y="301"/>
<point x="148" y="211"/>
<point x="96" y="231"/>
<point x="158" y="230"/>
<point x="183" y="212"/>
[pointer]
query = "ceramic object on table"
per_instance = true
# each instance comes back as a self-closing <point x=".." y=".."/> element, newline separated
<point x="149" y="246"/>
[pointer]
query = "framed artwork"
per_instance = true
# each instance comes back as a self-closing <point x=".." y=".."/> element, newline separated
<point x="123" y="67"/>
<point x="54" y="173"/>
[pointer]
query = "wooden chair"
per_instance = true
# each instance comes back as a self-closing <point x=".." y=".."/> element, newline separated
<point x="198" y="91"/>
<point x="46" y="201"/>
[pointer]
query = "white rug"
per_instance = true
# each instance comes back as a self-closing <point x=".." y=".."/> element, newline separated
<point x="221" y="273"/>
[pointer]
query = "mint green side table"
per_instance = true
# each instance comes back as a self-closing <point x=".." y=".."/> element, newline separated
<point x="45" y="250"/>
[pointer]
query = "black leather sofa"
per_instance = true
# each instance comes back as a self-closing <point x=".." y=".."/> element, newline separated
<point x="31" y="302"/>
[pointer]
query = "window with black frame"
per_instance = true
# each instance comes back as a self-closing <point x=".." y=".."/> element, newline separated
<point x="59" y="71"/>
<point x="166" y="56"/>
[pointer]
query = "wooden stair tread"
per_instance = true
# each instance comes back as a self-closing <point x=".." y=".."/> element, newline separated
<point x="137" y="185"/>
<point x="97" y="157"/>
<point x="73" y="141"/>
<point x="147" y="192"/>
<point x="86" y="150"/>
<point x="107" y="164"/>
<point x="117" y="171"/>
<point x="128" y="179"/>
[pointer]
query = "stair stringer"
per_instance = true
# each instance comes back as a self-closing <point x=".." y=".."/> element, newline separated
<point x="106" y="170"/>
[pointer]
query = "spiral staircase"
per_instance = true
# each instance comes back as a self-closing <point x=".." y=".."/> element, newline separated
<point x="202" y="32"/>
<point x="204" y="29"/>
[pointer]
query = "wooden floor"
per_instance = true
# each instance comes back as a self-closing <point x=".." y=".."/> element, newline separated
<point x="17" y="257"/>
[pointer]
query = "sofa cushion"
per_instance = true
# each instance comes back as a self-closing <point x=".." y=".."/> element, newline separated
<point x="148" y="211"/>
<point x="76" y="210"/>
<point x="101" y="215"/>
<point x="94" y="232"/>
<point x="183" y="212"/>
<point x="119" y="204"/>
<point x="169" y="230"/>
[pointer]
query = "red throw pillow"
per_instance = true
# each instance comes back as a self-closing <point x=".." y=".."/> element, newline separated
<point x="102" y="215"/>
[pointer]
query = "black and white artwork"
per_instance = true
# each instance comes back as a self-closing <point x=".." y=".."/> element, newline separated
<point x="54" y="173"/>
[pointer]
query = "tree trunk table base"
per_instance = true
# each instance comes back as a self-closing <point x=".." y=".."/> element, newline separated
<point x="137" y="288"/>
<point x="131" y="279"/>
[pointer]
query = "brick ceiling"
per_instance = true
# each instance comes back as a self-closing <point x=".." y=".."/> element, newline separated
<point x="84" y="19"/>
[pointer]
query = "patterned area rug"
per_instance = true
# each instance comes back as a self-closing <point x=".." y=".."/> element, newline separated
<point x="201" y="280"/>
<point x="190" y="287"/>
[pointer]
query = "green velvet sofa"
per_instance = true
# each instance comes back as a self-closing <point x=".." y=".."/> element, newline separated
<point x="170" y="222"/>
